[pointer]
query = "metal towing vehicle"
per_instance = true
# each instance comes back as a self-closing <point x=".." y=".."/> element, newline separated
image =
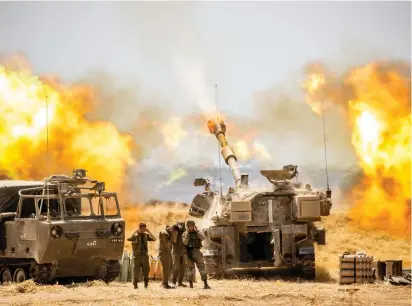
<point x="250" y="228"/>
<point x="60" y="228"/>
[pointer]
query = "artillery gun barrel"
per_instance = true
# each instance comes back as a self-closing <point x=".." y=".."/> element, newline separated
<point x="219" y="129"/>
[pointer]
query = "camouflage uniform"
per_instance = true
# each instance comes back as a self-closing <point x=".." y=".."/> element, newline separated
<point x="178" y="256"/>
<point x="193" y="242"/>
<point x="140" y="255"/>
<point x="165" y="243"/>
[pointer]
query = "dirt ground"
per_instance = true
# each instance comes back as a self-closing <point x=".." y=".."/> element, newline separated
<point x="223" y="292"/>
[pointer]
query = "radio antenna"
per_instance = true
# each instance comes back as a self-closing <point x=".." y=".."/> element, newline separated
<point x="47" y="126"/>
<point x="324" y="144"/>
<point x="218" y="148"/>
<point x="47" y="157"/>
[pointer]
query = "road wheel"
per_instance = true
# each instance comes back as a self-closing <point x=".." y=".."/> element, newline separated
<point x="19" y="275"/>
<point x="113" y="271"/>
<point x="41" y="274"/>
<point x="5" y="276"/>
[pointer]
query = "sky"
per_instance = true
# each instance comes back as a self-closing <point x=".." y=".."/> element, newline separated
<point x="173" y="53"/>
<point x="179" y="50"/>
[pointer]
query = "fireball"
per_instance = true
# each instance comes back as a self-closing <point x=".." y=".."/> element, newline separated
<point x="378" y="110"/>
<point x="43" y="131"/>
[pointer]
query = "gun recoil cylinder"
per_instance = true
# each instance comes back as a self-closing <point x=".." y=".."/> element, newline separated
<point x="219" y="129"/>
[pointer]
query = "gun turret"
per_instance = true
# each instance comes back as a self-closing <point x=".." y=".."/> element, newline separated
<point x="219" y="129"/>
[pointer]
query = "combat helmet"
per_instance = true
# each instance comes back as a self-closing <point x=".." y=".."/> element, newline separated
<point x="190" y="222"/>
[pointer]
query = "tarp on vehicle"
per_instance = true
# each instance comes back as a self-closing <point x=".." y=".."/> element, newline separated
<point x="9" y="193"/>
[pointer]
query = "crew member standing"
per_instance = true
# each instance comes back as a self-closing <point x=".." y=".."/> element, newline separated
<point x="178" y="255"/>
<point x="165" y="256"/>
<point x="192" y="239"/>
<point x="139" y="241"/>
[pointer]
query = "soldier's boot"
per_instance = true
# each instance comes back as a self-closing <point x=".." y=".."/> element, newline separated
<point x="206" y="286"/>
<point x="146" y="283"/>
<point x="180" y="284"/>
<point x="174" y="281"/>
<point x="190" y="284"/>
<point x="135" y="286"/>
<point x="167" y="286"/>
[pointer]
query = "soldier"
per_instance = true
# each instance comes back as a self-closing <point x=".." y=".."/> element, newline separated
<point x="165" y="256"/>
<point x="139" y="241"/>
<point x="230" y="193"/>
<point x="192" y="239"/>
<point x="178" y="255"/>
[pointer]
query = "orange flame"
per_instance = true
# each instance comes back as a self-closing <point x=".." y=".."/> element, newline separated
<point x="379" y="114"/>
<point x="29" y="106"/>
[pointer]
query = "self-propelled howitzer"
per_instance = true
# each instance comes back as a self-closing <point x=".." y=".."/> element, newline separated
<point x="251" y="228"/>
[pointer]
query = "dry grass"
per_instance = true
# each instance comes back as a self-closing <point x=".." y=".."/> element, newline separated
<point x="26" y="287"/>
<point x="224" y="292"/>
<point x="94" y="283"/>
<point x="156" y="216"/>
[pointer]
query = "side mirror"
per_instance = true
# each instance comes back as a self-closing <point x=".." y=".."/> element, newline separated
<point x="200" y="182"/>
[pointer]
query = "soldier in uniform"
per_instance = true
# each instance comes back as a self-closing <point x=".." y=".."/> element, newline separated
<point x="139" y="241"/>
<point x="230" y="193"/>
<point x="178" y="255"/>
<point x="192" y="239"/>
<point x="165" y="256"/>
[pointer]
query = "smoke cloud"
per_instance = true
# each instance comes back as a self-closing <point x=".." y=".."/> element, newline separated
<point x="281" y="127"/>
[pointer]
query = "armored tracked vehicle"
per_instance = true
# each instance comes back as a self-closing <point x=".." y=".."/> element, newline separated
<point x="60" y="228"/>
<point x="251" y="228"/>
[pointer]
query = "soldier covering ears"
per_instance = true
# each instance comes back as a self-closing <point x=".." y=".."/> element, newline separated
<point x="139" y="241"/>
<point x="192" y="239"/>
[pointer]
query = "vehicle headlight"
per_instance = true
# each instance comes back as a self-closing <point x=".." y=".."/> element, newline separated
<point x="117" y="229"/>
<point x="56" y="232"/>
